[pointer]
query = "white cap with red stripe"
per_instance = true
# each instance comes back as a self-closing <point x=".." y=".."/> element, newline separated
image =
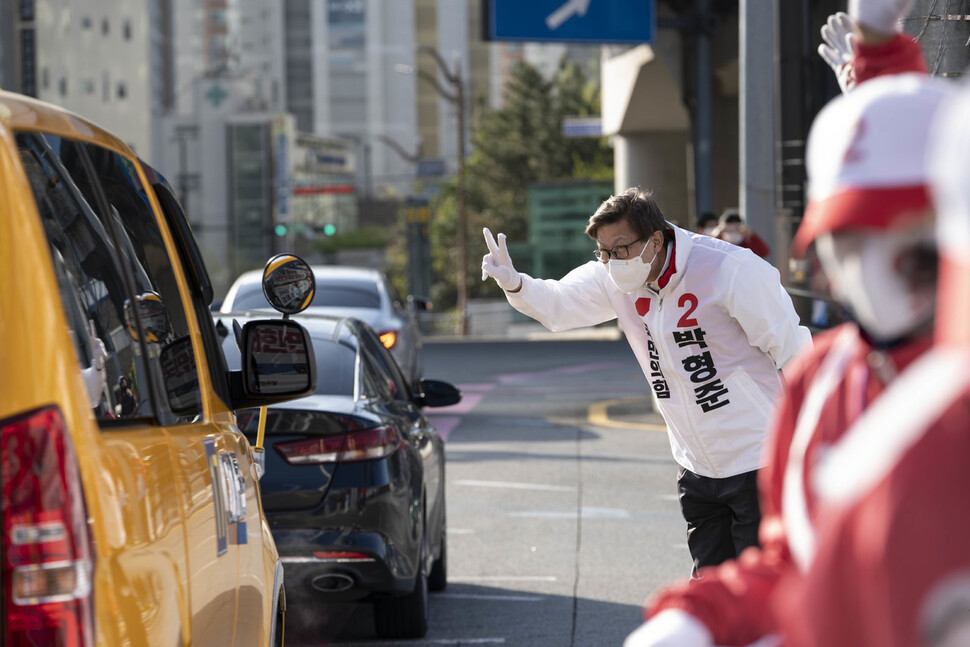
<point x="867" y="157"/>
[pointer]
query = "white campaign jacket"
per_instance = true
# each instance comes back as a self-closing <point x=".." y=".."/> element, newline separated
<point x="710" y="342"/>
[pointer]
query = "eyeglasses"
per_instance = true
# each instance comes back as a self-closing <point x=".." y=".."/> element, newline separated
<point x="620" y="252"/>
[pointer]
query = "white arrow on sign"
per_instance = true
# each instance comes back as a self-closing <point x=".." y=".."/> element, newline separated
<point x="565" y="12"/>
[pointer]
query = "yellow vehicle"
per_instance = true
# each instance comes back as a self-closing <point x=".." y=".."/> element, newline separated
<point x="129" y="506"/>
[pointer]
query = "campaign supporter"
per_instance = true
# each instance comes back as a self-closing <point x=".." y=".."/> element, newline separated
<point x="731" y="228"/>
<point x="706" y="223"/>
<point x="870" y="216"/>
<point x="711" y="326"/>
<point x="891" y="566"/>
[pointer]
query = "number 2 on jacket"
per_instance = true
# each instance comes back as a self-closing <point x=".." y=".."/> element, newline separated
<point x="686" y="321"/>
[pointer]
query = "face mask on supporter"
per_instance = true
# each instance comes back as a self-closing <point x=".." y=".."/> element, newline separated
<point x="733" y="237"/>
<point x="887" y="280"/>
<point x="631" y="274"/>
<point x="707" y="231"/>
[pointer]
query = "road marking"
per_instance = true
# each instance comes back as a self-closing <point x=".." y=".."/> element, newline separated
<point x="504" y="578"/>
<point x="461" y="531"/>
<point x="517" y="486"/>
<point x="444" y="424"/>
<point x="587" y="513"/>
<point x="498" y="598"/>
<point x="598" y="414"/>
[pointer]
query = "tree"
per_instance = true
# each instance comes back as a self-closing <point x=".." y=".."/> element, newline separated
<point x="513" y="147"/>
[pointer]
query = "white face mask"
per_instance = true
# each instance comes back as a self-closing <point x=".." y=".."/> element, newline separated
<point x="630" y="274"/>
<point x="865" y="273"/>
<point x="733" y="237"/>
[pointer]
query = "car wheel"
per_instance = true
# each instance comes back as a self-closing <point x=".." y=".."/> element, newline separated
<point x="278" y="634"/>
<point x="405" y="616"/>
<point x="438" y="579"/>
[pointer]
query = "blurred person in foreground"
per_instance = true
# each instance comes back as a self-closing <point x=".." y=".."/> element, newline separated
<point x="711" y="327"/>
<point x="871" y="218"/>
<point x="891" y="565"/>
<point x="731" y="228"/>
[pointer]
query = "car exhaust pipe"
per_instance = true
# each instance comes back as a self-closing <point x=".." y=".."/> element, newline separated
<point x="332" y="582"/>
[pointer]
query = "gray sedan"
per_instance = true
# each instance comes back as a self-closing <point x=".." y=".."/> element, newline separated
<point x="358" y="292"/>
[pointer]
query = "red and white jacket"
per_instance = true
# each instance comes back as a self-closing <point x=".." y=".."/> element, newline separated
<point x="891" y="565"/>
<point x="828" y="389"/>
<point x="710" y="337"/>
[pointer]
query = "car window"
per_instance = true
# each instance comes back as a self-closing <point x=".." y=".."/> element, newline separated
<point x="339" y="293"/>
<point x="385" y="364"/>
<point x="109" y="255"/>
<point x="394" y="295"/>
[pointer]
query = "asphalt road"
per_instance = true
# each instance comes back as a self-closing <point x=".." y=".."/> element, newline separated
<point x="562" y="512"/>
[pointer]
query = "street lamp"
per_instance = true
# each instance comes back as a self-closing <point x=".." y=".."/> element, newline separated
<point x="454" y="94"/>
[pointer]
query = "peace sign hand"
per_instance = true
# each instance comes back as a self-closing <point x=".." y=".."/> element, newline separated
<point x="498" y="264"/>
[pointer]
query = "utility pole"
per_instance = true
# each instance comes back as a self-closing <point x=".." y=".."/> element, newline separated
<point x="456" y="96"/>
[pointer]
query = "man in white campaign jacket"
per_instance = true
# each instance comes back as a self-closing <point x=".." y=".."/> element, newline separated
<point x="711" y="326"/>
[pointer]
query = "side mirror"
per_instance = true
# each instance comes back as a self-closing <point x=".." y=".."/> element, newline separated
<point x="436" y="393"/>
<point x="419" y="304"/>
<point x="288" y="283"/>
<point x="277" y="364"/>
<point x="153" y="316"/>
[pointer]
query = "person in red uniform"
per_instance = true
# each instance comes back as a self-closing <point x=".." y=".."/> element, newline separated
<point x="869" y="206"/>
<point x="731" y="228"/>
<point x="891" y="565"/>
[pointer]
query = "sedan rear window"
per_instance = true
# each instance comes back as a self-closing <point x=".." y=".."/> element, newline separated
<point x="335" y="365"/>
<point x="335" y="293"/>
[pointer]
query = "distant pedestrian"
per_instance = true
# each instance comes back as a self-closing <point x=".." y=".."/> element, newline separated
<point x="126" y="399"/>
<point x="731" y="228"/>
<point x="711" y="327"/>
<point x="706" y="223"/>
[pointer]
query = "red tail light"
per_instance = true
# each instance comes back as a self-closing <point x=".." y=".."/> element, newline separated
<point x="366" y="445"/>
<point x="389" y="338"/>
<point x="47" y="561"/>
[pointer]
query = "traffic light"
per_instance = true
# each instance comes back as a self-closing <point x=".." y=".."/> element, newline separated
<point x="280" y="230"/>
<point x="329" y="230"/>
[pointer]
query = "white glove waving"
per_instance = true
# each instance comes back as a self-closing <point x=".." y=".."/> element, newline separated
<point x="880" y="15"/>
<point x="838" y="34"/>
<point x="671" y="628"/>
<point x="498" y="264"/>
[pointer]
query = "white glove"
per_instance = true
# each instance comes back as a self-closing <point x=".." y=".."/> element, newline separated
<point x="498" y="264"/>
<point x="838" y="34"/>
<point x="880" y="15"/>
<point x="671" y="628"/>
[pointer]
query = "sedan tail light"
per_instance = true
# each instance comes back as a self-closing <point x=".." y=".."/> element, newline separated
<point x="47" y="562"/>
<point x="389" y="339"/>
<point x="366" y="445"/>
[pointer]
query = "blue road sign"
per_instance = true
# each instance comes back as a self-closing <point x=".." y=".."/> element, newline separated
<point x="571" y="21"/>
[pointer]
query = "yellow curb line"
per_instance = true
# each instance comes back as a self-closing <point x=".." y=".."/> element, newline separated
<point x="598" y="415"/>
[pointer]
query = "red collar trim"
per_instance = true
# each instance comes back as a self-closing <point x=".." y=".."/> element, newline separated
<point x="671" y="267"/>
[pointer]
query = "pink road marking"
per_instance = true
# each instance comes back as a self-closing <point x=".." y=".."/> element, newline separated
<point x="472" y="395"/>
<point x="444" y="424"/>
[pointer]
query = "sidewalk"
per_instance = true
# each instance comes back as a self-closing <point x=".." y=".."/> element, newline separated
<point x="530" y="331"/>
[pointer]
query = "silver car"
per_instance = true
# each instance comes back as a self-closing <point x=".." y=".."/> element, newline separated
<point x="359" y="292"/>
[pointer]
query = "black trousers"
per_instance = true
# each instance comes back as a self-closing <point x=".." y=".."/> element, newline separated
<point x="722" y="515"/>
